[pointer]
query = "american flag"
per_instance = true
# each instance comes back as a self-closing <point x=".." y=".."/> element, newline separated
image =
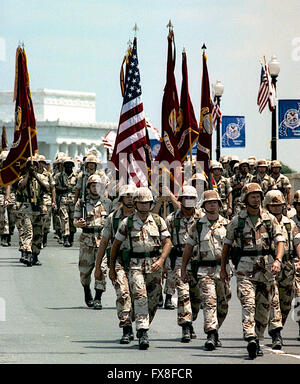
<point x="132" y="141"/>
<point x="216" y="112"/>
<point x="266" y="92"/>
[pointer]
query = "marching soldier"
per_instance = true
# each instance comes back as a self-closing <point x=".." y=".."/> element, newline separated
<point x="29" y="203"/>
<point x="237" y="182"/>
<point x="65" y="183"/>
<point x="57" y="168"/>
<point x="121" y="284"/>
<point x="207" y="233"/>
<point x="148" y="243"/>
<point x="178" y="224"/>
<point x="250" y="234"/>
<point x="296" y="219"/>
<point x="224" y="188"/>
<point x="284" y="283"/>
<point x="282" y="182"/>
<point x="90" y="216"/>
<point x="49" y="199"/>
<point x="261" y="177"/>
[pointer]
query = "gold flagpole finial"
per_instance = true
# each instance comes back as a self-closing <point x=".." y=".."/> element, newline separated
<point x="204" y="47"/>
<point x="170" y="26"/>
<point x="135" y="28"/>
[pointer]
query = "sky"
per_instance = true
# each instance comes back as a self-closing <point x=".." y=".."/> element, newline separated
<point x="78" y="45"/>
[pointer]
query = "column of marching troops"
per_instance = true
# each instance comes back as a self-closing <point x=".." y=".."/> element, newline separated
<point x="246" y="226"/>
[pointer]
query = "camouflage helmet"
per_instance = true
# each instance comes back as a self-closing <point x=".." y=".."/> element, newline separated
<point x="296" y="197"/>
<point x="33" y="159"/>
<point x="143" y="195"/>
<point x="188" y="191"/>
<point x="127" y="189"/>
<point x="215" y="165"/>
<point x="261" y="163"/>
<point x="68" y="159"/>
<point x="224" y="159"/>
<point x="275" y="164"/>
<point x="42" y="158"/>
<point x="252" y="158"/>
<point x="244" y="161"/>
<point x="94" y="179"/>
<point x="210" y="195"/>
<point x="250" y="188"/>
<point x="273" y="197"/>
<point x="251" y="162"/>
<point x="91" y="159"/>
<point x="233" y="159"/>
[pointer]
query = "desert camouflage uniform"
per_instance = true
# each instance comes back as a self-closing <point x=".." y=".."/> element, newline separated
<point x="4" y="222"/>
<point x="184" y="308"/>
<point x="90" y="239"/>
<point x="66" y="206"/>
<point x="10" y="209"/>
<point x="283" y="184"/>
<point x="121" y="284"/>
<point x="145" y="284"/>
<point x="47" y="202"/>
<point x="255" y="282"/>
<point x="83" y="176"/>
<point x="267" y="183"/>
<point x="214" y="294"/>
<point x="29" y="215"/>
<point x="224" y="189"/>
<point x="285" y="281"/>
<point x="236" y="194"/>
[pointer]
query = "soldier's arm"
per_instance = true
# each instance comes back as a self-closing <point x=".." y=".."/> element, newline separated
<point x="113" y="257"/>
<point x="187" y="253"/>
<point x="23" y="182"/>
<point x="76" y="196"/>
<point x="166" y="249"/>
<point x="43" y="184"/>
<point x="289" y="196"/>
<point x="224" y="261"/>
<point x="100" y="253"/>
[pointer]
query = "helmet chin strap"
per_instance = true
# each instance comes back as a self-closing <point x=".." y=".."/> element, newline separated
<point x="128" y="205"/>
<point x="253" y="206"/>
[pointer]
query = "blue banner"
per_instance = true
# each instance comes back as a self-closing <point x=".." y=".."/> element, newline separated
<point x="289" y="119"/>
<point x="233" y="132"/>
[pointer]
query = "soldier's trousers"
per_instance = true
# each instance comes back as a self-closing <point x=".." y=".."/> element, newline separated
<point x="215" y="296"/>
<point x="255" y="298"/>
<point x="86" y="265"/>
<point x="30" y="231"/>
<point x="11" y="219"/>
<point x="47" y="219"/>
<point x="284" y="291"/>
<point x="123" y="300"/>
<point x="66" y="214"/>
<point x="195" y="296"/>
<point x="4" y="223"/>
<point x="146" y="289"/>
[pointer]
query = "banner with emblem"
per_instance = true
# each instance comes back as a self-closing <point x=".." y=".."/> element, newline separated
<point x="289" y="119"/>
<point x="233" y="132"/>
<point x="25" y="141"/>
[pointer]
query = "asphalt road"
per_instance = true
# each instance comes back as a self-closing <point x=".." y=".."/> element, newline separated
<point x="44" y="320"/>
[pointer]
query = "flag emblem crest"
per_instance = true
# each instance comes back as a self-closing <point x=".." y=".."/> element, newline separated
<point x="233" y="131"/>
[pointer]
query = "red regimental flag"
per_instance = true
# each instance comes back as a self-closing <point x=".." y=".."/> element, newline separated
<point x="4" y="142"/>
<point x="204" y="145"/>
<point x="169" y="151"/>
<point x="25" y="140"/>
<point x="187" y="127"/>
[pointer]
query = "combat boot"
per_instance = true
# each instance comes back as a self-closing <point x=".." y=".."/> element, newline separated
<point x="97" y="299"/>
<point x="71" y="238"/>
<point x="298" y="338"/>
<point x="143" y="339"/>
<point x="218" y="341"/>
<point x="276" y="339"/>
<point x="192" y="332"/>
<point x="28" y="259"/>
<point x="4" y="241"/>
<point x="88" y="296"/>
<point x="186" y="336"/>
<point x="22" y="258"/>
<point x="259" y="351"/>
<point x="66" y="241"/>
<point x="211" y="342"/>
<point x="168" y="302"/>
<point x="127" y="335"/>
<point x="45" y="235"/>
<point x="35" y="260"/>
<point x="161" y="301"/>
<point x="252" y="347"/>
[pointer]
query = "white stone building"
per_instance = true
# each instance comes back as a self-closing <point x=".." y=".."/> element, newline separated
<point x="66" y="122"/>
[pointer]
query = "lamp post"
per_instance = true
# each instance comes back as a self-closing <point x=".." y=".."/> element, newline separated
<point x="219" y="89"/>
<point x="274" y="68"/>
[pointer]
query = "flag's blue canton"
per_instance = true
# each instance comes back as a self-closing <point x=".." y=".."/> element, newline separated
<point x="133" y="87"/>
